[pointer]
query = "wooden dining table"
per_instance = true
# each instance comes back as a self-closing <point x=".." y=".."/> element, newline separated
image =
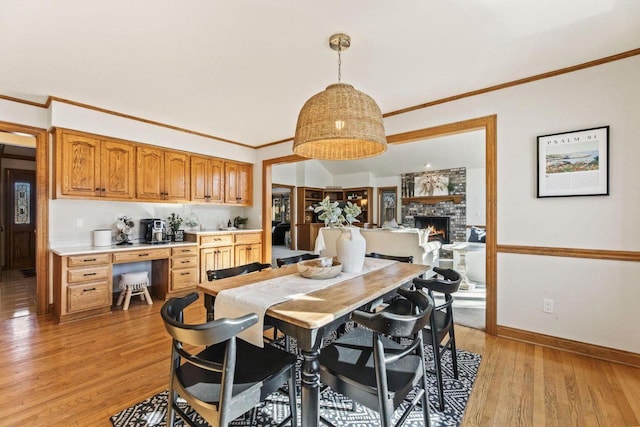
<point x="309" y="318"/>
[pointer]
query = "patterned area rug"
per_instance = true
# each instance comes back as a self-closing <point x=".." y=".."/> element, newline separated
<point x="333" y="406"/>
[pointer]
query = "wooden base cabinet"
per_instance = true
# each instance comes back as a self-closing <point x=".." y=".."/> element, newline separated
<point x="82" y="285"/>
<point x="248" y="248"/>
<point x="223" y="250"/>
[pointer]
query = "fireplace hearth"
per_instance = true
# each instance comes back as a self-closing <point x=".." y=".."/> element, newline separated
<point x="439" y="226"/>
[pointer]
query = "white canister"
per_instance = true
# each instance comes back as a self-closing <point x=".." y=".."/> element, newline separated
<point x="102" y="237"/>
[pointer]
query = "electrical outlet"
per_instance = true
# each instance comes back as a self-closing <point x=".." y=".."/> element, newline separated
<point x="79" y="222"/>
<point x="547" y="305"/>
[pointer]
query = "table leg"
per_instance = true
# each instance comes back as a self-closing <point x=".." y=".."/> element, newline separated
<point x="310" y="388"/>
<point x="208" y="304"/>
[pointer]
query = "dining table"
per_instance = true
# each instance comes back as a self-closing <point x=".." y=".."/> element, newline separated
<point x="311" y="316"/>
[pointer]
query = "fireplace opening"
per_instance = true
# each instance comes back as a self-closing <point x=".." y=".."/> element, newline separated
<point x="438" y="226"/>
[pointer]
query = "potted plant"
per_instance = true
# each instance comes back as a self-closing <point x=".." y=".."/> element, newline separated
<point x="350" y="246"/>
<point x="175" y="221"/>
<point x="239" y="221"/>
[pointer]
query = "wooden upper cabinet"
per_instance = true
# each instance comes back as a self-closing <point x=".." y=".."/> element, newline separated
<point x="177" y="176"/>
<point x="117" y="170"/>
<point x="162" y="174"/>
<point x="207" y="179"/>
<point x="90" y="166"/>
<point x="238" y="183"/>
<point x="150" y="173"/>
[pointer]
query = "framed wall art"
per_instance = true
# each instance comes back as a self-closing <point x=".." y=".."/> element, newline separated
<point x="387" y="204"/>
<point x="574" y="163"/>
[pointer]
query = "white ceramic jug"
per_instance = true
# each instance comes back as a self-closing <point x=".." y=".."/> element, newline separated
<point x="350" y="248"/>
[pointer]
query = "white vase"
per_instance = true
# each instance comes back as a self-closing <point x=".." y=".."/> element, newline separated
<point x="350" y="248"/>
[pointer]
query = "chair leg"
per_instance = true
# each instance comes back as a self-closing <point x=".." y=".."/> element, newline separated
<point x="454" y="353"/>
<point x="127" y="299"/>
<point x="435" y="345"/>
<point x="147" y="296"/>
<point x="121" y="297"/>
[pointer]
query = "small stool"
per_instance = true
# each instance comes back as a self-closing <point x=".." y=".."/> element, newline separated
<point x="134" y="284"/>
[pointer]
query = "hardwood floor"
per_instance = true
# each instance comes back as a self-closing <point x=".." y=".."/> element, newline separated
<point x="17" y="295"/>
<point x="81" y="373"/>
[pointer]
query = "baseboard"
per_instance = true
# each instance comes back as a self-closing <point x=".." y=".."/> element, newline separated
<point x="590" y="350"/>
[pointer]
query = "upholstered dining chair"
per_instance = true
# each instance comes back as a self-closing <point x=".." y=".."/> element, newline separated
<point x="295" y="259"/>
<point x="370" y="368"/>
<point x="440" y="333"/>
<point x="223" y="377"/>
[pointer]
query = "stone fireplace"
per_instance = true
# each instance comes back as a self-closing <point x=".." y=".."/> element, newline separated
<point x="439" y="226"/>
<point x="417" y="205"/>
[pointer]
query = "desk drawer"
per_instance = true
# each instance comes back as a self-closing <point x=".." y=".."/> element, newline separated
<point x="216" y="240"/>
<point x="142" y="255"/>
<point x="75" y="275"/>
<point x="89" y="259"/>
<point x="88" y="296"/>
<point x="190" y="250"/>
<point x="247" y="238"/>
<point x="183" y="279"/>
<point x="184" y="262"/>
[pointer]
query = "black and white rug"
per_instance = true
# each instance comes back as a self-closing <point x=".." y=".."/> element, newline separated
<point x="333" y="406"/>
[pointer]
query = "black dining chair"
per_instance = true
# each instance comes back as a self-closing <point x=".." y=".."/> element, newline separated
<point x="440" y="333"/>
<point x="295" y="259"/>
<point x="370" y="368"/>
<point x="219" y="376"/>
<point x="398" y="258"/>
<point x="224" y="273"/>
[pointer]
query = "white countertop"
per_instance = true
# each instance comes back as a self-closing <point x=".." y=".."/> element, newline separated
<point x="226" y="231"/>
<point x="88" y="249"/>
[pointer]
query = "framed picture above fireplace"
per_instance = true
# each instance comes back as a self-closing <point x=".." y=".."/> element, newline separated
<point x="574" y="163"/>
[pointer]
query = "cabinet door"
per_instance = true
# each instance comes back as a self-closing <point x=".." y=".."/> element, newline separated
<point x="214" y="259"/>
<point x="199" y="174"/>
<point x="245" y="184"/>
<point x="246" y="254"/>
<point x="238" y="183"/>
<point x="225" y="257"/>
<point x="231" y="183"/>
<point x="78" y="165"/>
<point x="176" y="176"/>
<point x="150" y="173"/>
<point x="217" y="181"/>
<point x="117" y="170"/>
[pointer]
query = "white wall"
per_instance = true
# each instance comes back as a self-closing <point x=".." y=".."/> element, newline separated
<point x="476" y="196"/>
<point x="585" y="291"/>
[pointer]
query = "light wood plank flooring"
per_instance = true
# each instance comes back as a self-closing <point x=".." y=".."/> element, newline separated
<point x="17" y="295"/>
<point x="80" y="373"/>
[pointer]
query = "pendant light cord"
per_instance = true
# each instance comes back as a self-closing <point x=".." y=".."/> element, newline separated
<point x="339" y="61"/>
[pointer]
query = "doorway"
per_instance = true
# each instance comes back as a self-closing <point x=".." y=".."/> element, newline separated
<point x="24" y="285"/>
<point x="488" y="124"/>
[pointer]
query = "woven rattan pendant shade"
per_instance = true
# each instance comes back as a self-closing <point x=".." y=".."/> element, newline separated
<point x="340" y="123"/>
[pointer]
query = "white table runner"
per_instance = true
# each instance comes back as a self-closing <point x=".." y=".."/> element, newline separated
<point x="258" y="297"/>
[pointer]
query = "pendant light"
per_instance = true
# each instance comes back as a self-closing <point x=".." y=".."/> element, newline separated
<point x="340" y="123"/>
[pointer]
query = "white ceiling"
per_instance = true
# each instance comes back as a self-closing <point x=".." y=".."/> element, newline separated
<point x="241" y="70"/>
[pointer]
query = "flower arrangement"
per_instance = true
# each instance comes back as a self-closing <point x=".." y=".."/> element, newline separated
<point x="335" y="216"/>
<point x="175" y="221"/>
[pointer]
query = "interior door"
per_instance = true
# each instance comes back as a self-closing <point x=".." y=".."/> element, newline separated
<point x="21" y="219"/>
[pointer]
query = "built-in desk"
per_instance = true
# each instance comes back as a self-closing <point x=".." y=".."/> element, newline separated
<point x="83" y="276"/>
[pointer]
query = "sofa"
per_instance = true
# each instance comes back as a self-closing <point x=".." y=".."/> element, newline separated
<point x="401" y="242"/>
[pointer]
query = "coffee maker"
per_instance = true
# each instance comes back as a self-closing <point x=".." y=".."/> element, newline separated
<point x="153" y="230"/>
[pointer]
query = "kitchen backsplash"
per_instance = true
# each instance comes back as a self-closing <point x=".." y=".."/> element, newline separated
<point x="71" y="222"/>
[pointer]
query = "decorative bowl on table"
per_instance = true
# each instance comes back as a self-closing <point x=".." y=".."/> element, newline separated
<point x="319" y="268"/>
